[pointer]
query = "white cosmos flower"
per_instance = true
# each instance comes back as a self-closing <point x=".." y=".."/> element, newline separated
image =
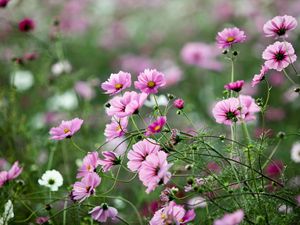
<point x="22" y="80"/>
<point x="67" y="101"/>
<point x="61" y="67"/>
<point x="161" y="100"/>
<point x="295" y="152"/>
<point x="197" y="202"/>
<point x="51" y="179"/>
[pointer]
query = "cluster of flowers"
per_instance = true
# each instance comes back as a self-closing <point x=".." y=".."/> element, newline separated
<point x="11" y="174"/>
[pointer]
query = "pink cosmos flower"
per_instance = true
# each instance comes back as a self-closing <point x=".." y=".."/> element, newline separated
<point x="103" y="212"/>
<point x="42" y="219"/>
<point x="156" y="126"/>
<point x="26" y="25"/>
<point x="126" y="105"/>
<point x="259" y="77"/>
<point x="139" y="152"/>
<point x="3" y="178"/>
<point x="230" y="36"/>
<point x="3" y="3"/>
<point x="227" y="111"/>
<point x="275" y="114"/>
<point x="274" y="168"/>
<point x="201" y="55"/>
<point x="117" y="128"/>
<point x="149" y="81"/>
<point x="249" y="107"/>
<point x="86" y="187"/>
<point x="89" y="164"/>
<point x="135" y="63"/>
<point x="178" y="103"/>
<point x="14" y="171"/>
<point x="235" y="86"/>
<point x="279" y="26"/>
<point x="116" y="83"/>
<point x="231" y="219"/>
<point x="172" y="214"/>
<point x="110" y="159"/>
<point x="279" y="55"/>
<point x="66" y="129"/>
<point x="84" y="90"/>
<point x="154" y="170"/>
<point x="172" y="76"/>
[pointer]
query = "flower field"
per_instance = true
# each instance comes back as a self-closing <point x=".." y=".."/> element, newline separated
<point x="150" y="112"/>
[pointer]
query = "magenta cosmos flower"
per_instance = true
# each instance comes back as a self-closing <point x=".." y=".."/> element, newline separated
<point x="235" y="86"/>
<point x="11" y="174"/>
<point x="149" y="81"/>
<point x="110" y="159"/>
<point x="178" y="103"/>
<point x="279" y="55"/>
<point x="231" y="219"/>
<point x="279" y="26"/>
<point x="42" y="219"/>
<point x="156" y="126"/>
<point x="230" y="36"/>
<point x="89" y="164"/>
<point x="201" y="55"/>
<point x="172" y="214"/>
<point x="86" y="187"/>
<point x="126" y="105"/>
<point x="117" y="128"/>
<point x="103" y="212"/>
<point x="259" y="77"/>
<point x="117" y="82"/>
<point x="154" y="170"/>
<point x="227" y="111"/>
<point x="66" y="129"/>
<point x="140" y="151"/>
<point x="3" y="178"/>
<point x="26" y="25"/>
<point x="3" y="3"/>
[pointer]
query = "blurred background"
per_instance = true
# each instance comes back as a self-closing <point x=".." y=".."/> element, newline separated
<point x="54" y="71"/>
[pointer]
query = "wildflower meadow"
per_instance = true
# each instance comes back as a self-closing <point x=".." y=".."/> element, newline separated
<point x="179" y="112"/>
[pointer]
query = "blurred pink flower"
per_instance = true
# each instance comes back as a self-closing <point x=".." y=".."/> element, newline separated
<point x="230" y="36"/>
<point x="117" y="83"/>
<point x="178" y="103"/>
<point x="227" y="111"/>
<point x="298" y="200"/>
<point x="66" y="129"/>
<point x="3" y="178"/>
<point x="274" y="168"/>
<point x="248" y="89"/>
<point x="156" y="126"/>
<point x="89" y="164"/>
<point x="235" y="86"/>
<point x="42" y="219"/>
<point x="26" y="25"/>
<point x="275" y="114"/>
<point x="139" y="152"/>
<point x="234" y="218"/>
<point x="154" y="170"/>
<point x="172" y="76"/>
<point x="279" y="26"/>
<point x="86" y="187"/>
<point x="172" y="214"/>
<point x="259" y="77"/>
<point x="14" y="171"/>
<point x="276" y="79"/>
<point x="110" y="159"/>
<point x="149" y="81"/>
<point x="279" y="55"/>
<point x="114" y="35"/>
<point x="3" y="164"/>
<point x="126" y="105"/>
<point x="201" y="55"/>
<point x="3" y="3"/>
<point x="213" y="167"/>
<point x="103" y="212"/>
<point x="117" y="128"/>
<point x="135" y="63"/>
<point x="84" y="90"/>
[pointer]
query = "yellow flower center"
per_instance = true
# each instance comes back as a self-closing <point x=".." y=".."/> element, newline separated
<point x="89" y="168"/>
<point x="230" y="39"/>
<point x="66" y="130"/>
<point x="118" y="128"/>
<point x="118" y="86"/>
<point x="157" y="128"/>
<point x="163" y="216"/>
<point x="151" y="84"/>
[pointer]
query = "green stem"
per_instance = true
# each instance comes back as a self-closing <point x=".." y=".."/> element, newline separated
<point x="51" y="155"/>
<point x="246" y="132"/>
<point x="232" y="75"/>
<point x="271" y="155"/>
<point x="76" y="146"/>
<point x="65" y="212"/>
<point x="288" y="77"/>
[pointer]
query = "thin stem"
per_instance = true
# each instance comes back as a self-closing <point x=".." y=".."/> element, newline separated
<point x="76" y="146"/>
<point x="232" y="75"/>
<point x="271" y="155"/>
<point x="288" y="77"/>
<point x="246" y="132"/>
<point x="52" y="150"/>
<point x="65" y="212"/>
